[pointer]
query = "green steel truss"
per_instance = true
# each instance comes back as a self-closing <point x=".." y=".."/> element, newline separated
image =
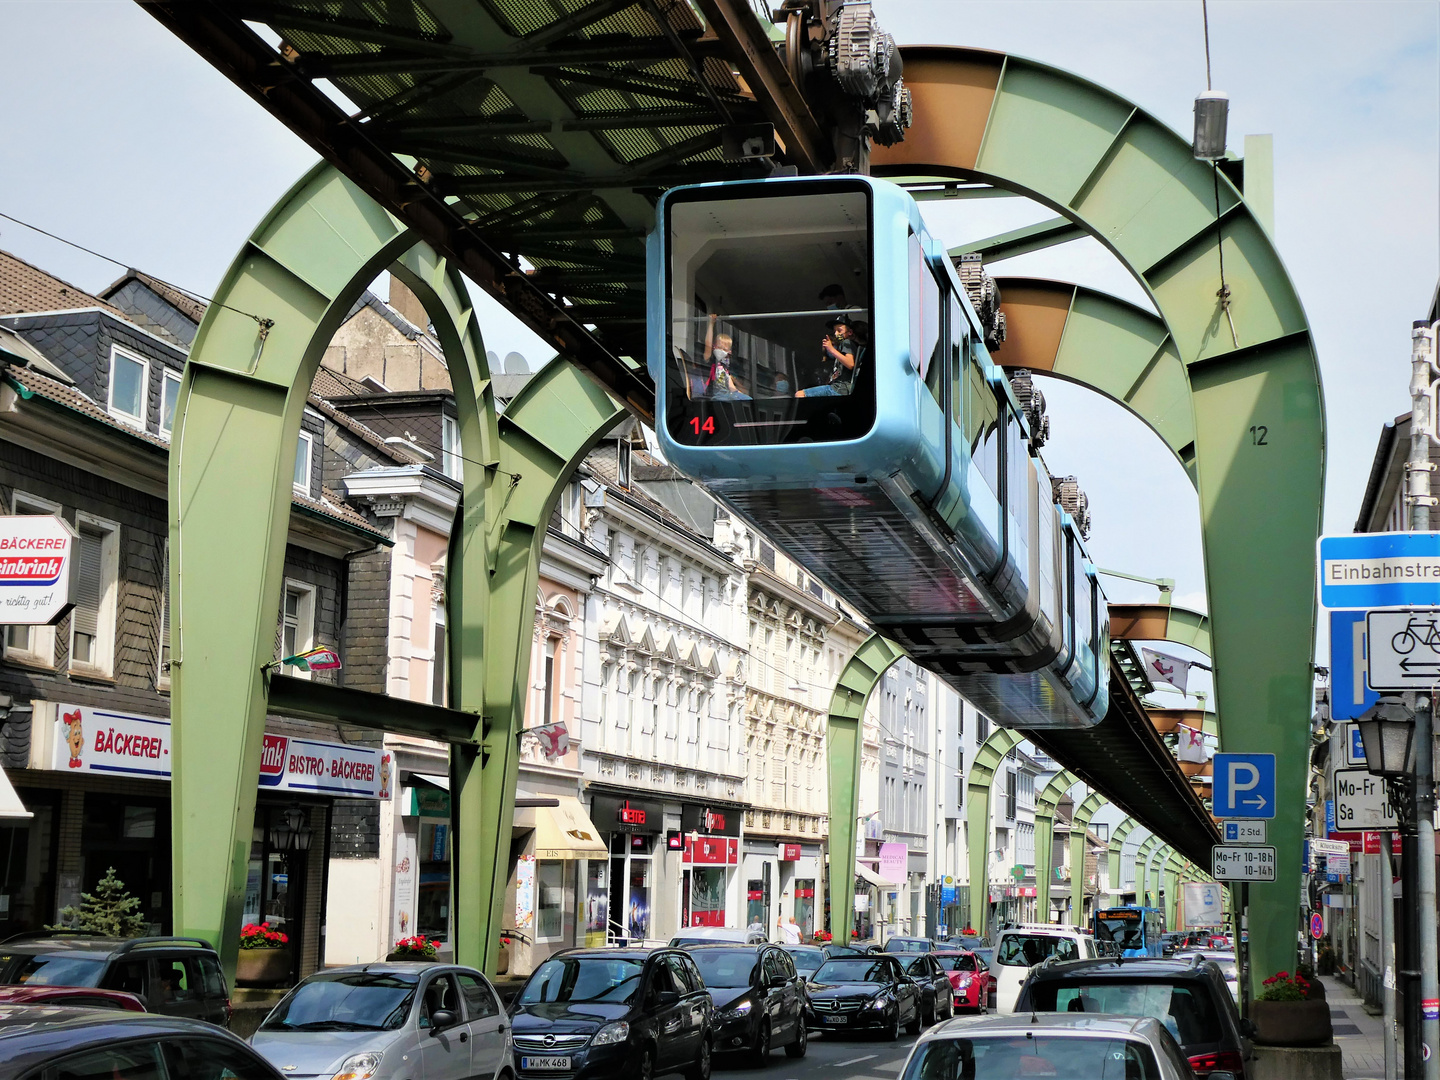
<point x="1045" y="803"/>
<point x="1118" y="836"/>
<point x="1084" y="813"/>
<point x="979" y="784"/>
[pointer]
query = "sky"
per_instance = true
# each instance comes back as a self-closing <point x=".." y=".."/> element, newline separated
<point x="116" y="136"/>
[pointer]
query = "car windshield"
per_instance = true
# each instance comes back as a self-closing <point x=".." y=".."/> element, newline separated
<point x="726" y="969"/>
<point x="1184" y="1008"/>
<point x="1027" y="950"/>
<point x="906" y="945"/>
<point x="857" y="970"/>
<point x="957" y="963"/>
<point x="1064" y="1057"/>
<point x="986" y="955"/>
<point x="349" y="1001"/>
<point x="806" y="959"/>
<point x="53" y="970"/>
<point x="584" y="978"/>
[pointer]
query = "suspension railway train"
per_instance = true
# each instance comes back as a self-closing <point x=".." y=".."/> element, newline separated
<point x="821" y="369"/>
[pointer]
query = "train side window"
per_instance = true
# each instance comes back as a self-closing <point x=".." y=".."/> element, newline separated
<point x="931" y="341"/>
<point x="1084" y="614"/>
<point x="1045" y="514"/>
<point x="982" y="426"/>
<point x="1017" y="495"/>
<point x="959" y="360"/>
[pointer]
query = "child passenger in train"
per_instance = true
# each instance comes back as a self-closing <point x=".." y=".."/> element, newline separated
<point x="840" y="346"/>
<point x="721" y="384"/>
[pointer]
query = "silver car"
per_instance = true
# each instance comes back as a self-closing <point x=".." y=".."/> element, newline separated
<point x="1070" y="1046"/>
<point x="384" y="1021"/>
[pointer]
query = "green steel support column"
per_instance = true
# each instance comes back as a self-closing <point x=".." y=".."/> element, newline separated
<point x="1117" y="847"/>
<point x="544" y="433"/>
<point x="232" y="456"/>
<point x="1142" y="868"/>
<point x="1174" y="868"/>
<point x="1045" y="804"/>
<point x="979" y="783"/>
<point x="1084" y="813"/>
<point x="1232" y="385"/>
<point x="843" y="735"/>
<point x="1158" y="858"/>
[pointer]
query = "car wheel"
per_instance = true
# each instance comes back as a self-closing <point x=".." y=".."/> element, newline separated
<point x="701" y="1069"/>
<point x="930" y="1015"/>
<point x="761" y="1052"/>
<point x="914" y="1026"/>
<point x="892" y="1030"/>
<point x="802" y="1040"/>
<point x="646" y="1071"/>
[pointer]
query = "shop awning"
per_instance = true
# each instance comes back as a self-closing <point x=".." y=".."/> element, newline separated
<point x="870" y="877"/>
<point x="564" y="831"/>
<point x="441" y="782"/>
<point x="10" y="805"/>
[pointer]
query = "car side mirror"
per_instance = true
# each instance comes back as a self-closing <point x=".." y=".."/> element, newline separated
<point x="441" y="1019"/>
<point x="666" y="998"/>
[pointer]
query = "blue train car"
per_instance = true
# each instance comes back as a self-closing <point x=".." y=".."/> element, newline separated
<point x="821" y="370"/>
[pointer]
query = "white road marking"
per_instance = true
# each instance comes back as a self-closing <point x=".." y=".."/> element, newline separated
<point x="893" y="1066"/>
<point x="853" y="1061"/>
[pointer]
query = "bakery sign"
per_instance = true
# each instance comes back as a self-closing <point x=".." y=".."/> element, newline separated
<point x="38" y="569"/>
<point x="105" y="741"/>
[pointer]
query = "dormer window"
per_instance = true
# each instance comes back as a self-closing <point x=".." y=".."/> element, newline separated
<point x="129" y="376"/>
<point x="303" y="447"/>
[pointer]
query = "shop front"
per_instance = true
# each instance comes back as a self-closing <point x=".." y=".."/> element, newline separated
<point x="621" y="893"/>
<point x="709" y="865"/>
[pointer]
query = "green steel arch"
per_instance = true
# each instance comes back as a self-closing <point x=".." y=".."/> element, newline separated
<point x="244" y="388"/>
<point x="1143" y="854"/>
<point x="1241" y="408"/>
<point x="979" y="784"/>
<point x="843" y="736"/>
<point x="1080" y="824"/>
<point x="1045" y="805"/>
<point x="1175" y="866"/>
<point x="1118" y="837"/>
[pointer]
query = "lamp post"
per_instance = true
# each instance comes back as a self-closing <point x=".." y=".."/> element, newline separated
<point x="288" y="836"/>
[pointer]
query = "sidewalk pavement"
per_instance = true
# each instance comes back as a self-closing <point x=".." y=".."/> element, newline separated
<point x="1359" y="1035"/>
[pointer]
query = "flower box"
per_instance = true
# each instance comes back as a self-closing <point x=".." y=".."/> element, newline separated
<point x="262" y="967"/>
<point x="1292" y="1023"/>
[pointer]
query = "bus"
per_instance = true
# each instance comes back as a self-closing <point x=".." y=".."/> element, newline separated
<point x="1132" y="930"/>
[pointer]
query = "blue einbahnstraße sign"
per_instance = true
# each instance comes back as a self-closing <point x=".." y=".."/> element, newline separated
<point x="1376" y="570"/>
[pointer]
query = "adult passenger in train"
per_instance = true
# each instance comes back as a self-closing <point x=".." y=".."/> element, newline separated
<point x="842" y="348"/>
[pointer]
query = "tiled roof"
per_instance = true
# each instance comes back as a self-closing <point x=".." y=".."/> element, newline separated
<point x="364" y="434"/>
<point x="24" y="288"/>
<point x="332" y="505"/>
<point x="187" y="305"/>
<point x="333" y="384"/>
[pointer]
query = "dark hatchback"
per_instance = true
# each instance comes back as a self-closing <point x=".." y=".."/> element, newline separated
<point x="174" y="976"/>
<point x="937" y="999"/>
<point x="1189" y="997"/>
<point x="106" y="1044"/>
<point x="588" y="1014"/>
<point x="864" y="993"/>
<point x="759" y="999"/>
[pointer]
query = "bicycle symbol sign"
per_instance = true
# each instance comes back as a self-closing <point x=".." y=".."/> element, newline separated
<point x="1404" y="649"/>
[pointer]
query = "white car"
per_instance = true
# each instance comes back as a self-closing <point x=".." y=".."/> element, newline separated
<point x="1225" y="958"/>
<point x="717" y="935"/>
<point x="1086" y="1045"/>
<point x="1020" y="948"/>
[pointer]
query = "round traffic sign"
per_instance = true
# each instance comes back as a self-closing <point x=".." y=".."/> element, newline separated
<point x="1317" y="925"/>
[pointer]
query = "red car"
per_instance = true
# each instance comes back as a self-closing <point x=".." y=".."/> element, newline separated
<point x="73" y="996"/>
<point x="970" y="979"/>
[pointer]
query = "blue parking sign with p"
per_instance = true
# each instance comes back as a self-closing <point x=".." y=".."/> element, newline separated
<point x="1244" y="786"/>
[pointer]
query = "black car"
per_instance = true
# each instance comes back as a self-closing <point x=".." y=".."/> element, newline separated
<point x="759" y="999"/>
<point x="864" y="993"/>
<point x="103" y="1044"/>
<point x="806" y="958"/>
<point x="1169" y="943"/>
<point x="593" y="1013"/>
<point x="936" y="997"/>
<point x="1189" y="997"/>
<point x="173" y="976"/>
<point x="909" y="945"/>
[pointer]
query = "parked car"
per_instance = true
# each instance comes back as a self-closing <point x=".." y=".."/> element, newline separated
<point x="1061" y="1044"/>
<point x="66" y="1042"/>
<point x="863" y="993"/>
<point x="909" y="944"/>
<point x="79" y="997"/>
<point x="832" y="951"/>
<point x="588" y="1014"/>
<point x="806" y="958"/>
<point x="1226" y="961"/>
<point x="759" y="999"/>
<point x="173" y="976"/>
<point x="1019" y="949"/>
<point x="937" y="1001"/>
<point x="965" y="941"/>
<point x="1190" y="998"/>
<point x="714" y="935"/>
<point x="1172" y="942"/>
<point x="972" y="987"/>
<point x="381" y="1020"/>
<point x="1221" y="941"/>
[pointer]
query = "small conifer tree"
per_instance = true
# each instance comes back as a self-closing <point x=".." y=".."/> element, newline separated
<point x="109" y="910"/>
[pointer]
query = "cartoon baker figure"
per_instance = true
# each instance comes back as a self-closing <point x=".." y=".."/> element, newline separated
<point x="75" y="737"/>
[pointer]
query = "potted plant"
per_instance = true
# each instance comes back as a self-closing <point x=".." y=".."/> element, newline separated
<point x="1285" y="1015"/>
<point x="417" y="947"/>
<point x="264" y="958"/>
<point x="823" y="937"/>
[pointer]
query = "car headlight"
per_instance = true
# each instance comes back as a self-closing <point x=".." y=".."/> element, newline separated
<point x="739" y="1008"/>
<point x="964" y="983"/>
<point x="611" y="1033"/>
<point x="359" y="1066"/>
<point x="878" y="1003"/>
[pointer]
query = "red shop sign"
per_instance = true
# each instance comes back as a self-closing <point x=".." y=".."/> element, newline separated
<point x="712" y="851"/>
<point x="790" y="853"/>
<point x="805" y="894"/>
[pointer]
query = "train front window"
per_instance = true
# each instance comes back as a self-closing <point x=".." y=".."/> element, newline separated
<point x="769" y="317"/>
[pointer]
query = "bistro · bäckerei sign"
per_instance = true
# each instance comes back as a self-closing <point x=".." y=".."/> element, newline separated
<point x="37" y="569"/>
<point x="104" y="741"/>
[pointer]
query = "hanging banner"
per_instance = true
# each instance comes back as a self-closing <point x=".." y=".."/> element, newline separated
<point x="525" y="892"/>
<point x="893" y="862"/>
<point x="1202" y="904"/>
<point x="38" y="569"/>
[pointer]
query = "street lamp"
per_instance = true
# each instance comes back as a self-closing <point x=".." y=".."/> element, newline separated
<point x="1387" y="729"/>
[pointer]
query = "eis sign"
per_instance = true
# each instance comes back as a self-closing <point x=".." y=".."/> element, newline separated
<point x="37" y="569"/>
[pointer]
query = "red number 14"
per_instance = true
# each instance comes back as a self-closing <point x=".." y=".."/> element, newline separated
<point x="708" y="427"/>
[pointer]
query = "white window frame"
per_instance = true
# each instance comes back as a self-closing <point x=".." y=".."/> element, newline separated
<point x="306" y="614"/>
<point x="451" y="463"/>
<point x="166" y="378"/>
<point x="41" y="650"/>
<point x="109" y="596"/>
<point x="125" y="418"/>
<point x="308" y="441"/>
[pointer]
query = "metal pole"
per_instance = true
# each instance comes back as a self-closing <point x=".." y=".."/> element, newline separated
<point x="1387" y="954"/>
